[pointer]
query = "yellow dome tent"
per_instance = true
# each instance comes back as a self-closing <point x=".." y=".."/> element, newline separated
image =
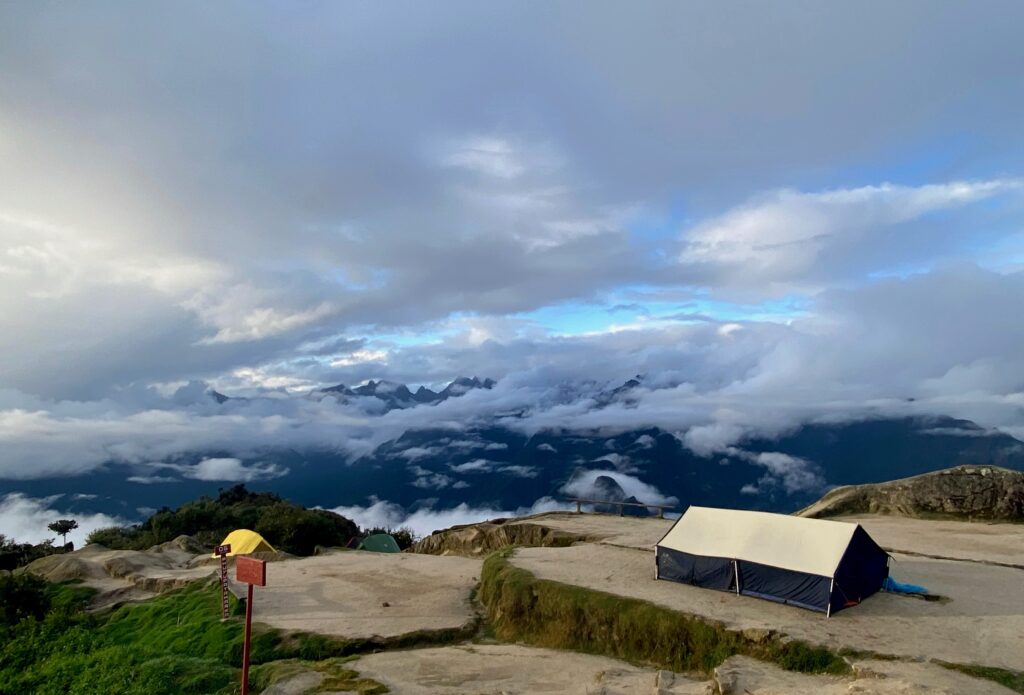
<point x="243" y="542"/>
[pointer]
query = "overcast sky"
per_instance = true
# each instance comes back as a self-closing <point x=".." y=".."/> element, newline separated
<point x="778" y="212"/>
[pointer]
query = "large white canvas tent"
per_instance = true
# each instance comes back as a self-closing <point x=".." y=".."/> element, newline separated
<point x="811" y="563"/>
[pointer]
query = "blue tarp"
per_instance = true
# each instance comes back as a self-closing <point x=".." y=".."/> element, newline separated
<point x="894" y="586"/>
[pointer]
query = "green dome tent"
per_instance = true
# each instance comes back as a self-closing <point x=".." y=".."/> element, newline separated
<point x="380" y="543"/>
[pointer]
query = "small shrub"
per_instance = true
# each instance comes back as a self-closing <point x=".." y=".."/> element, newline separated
<point x="1014" y="680"/>
<point x="23" y="596"/>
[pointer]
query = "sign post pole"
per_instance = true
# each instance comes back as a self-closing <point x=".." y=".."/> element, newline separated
<point x="223" y="551"/>
<point x="254" y="573"/>
<point x="245" y="644"/>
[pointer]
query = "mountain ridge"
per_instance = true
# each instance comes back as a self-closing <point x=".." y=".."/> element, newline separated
<point x="979" y="492"/>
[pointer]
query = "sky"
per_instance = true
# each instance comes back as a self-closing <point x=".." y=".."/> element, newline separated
<point x="777" y="212"/>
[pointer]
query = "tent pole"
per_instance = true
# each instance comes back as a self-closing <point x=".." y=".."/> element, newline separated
<point x="831" y="586"/>
<point x="736" y="571"/>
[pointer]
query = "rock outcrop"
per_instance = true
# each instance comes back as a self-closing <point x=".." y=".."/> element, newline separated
<point x="607" y="489"/>
<point x="985" y="493"/>
<point x="475" y="540"/>
<point x="121" y="575"/>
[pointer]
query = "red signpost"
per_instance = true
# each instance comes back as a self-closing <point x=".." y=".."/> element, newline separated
<point x="223" y="551"/>
<point x="254" y="573"/>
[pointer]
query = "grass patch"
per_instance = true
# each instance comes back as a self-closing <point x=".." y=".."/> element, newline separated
<point x="174" y="643"/>
<point x="1014" y="680"/>
<point x="522" y="608"/>
<point x="336" y="676"/>
<point x="345" y="680"/>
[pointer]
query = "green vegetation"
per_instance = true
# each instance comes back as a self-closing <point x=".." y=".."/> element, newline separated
<point x="1014" y="680"/>
<point x="174" y="643"/>
<point x="25" y="596"/>
<point x="170" y="645"/>
<point x="14" y="555"/>
<point x="286" y="526"/>
<point x="544" y="613"/>
<point x="336" y="678"/>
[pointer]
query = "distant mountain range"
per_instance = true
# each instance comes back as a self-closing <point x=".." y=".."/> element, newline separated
<point x="393" y="395"/>
<point x="496" y="466"/>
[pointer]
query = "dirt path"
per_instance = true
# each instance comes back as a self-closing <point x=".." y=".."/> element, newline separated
<point x="743" y="675"/>
<point x="344" y="594"/>
<point x="511" y="670"/>
<point x="515" y="670"/>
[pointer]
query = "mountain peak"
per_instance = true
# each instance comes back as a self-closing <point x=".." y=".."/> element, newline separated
<point x="397" y="395"/>
<point x="461" y="385"/>
<point x="218" y="396"/>
<point x="339" y="389"/>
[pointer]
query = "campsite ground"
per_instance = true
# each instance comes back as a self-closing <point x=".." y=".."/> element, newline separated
<point x="504" y="668"/>
<point x="363" y="594"/>
<point x="519" y="670"/>
<point x="981" y="621"/>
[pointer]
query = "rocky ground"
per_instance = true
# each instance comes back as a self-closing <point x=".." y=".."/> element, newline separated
<point x="963" y="492"/>
<point x="975" y="567"/>
<point x="128" y="575"/>
<point x="503" y="668"/>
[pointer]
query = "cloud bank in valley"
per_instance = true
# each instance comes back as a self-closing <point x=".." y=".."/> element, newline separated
<point x="383" y="514"/>
<point x="869" y="352"/>
<point x="25" y="519"/>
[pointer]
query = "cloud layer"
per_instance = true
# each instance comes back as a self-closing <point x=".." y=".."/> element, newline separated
<point x="424" y="521"/>
<point x="771" y="222"/>
<point x="883" y="349"/>
<point x="25" y="519"/>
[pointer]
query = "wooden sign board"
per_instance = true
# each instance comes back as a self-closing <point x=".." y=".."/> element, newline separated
<point x="222" y="549"/>
<point x="251" y="571"/>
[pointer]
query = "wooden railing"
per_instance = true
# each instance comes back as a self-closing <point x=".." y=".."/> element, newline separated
<point x="621" y="505"/>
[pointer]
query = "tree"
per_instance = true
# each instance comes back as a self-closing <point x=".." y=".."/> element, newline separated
<point x="62" y="527"/>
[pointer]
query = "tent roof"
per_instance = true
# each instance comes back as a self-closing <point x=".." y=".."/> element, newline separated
<point x="814" y="546"/>
<point x="243" y="541"/>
